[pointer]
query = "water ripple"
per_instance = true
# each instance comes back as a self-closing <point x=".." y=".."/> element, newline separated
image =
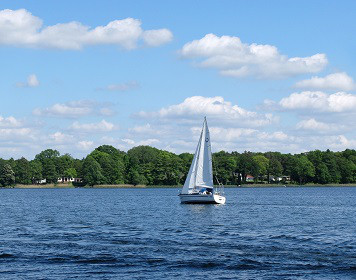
<point x="124" y="234"/>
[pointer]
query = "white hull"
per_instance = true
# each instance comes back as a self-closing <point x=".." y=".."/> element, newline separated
<point x="202" y="198"/>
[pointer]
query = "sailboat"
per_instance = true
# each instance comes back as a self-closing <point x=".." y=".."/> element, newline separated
<point x="198" y="186"/>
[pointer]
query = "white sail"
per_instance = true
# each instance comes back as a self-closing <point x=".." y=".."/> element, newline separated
<point x="200" y="173"/>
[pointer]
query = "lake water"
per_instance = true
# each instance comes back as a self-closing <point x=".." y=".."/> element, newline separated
<point x="266" y="233"/>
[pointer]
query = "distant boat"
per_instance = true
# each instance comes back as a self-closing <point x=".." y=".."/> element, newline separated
<point x="199" y="187"/>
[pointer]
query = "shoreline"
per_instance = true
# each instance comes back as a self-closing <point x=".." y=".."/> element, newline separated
<point x="128" y="186"/>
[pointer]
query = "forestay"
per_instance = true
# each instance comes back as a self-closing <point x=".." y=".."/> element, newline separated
<point x="200" y="173"/>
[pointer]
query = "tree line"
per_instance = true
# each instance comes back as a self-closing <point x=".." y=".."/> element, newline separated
<point x="150" y="166"/>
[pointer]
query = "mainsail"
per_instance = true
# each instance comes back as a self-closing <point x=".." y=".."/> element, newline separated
<point x="200" y="173"/>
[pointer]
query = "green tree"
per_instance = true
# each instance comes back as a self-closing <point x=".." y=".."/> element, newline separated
<point x="347" y="170"/>
<point x="49" y="171"/>
<point x="288" y="162"/>
<point x="302" y="170"/>
<point x="78" y="166"/>
<point x="36" y="170"/>
<point x="22" y="171"/>
<point x="112" y="171"/>
<point x="70" y="173"/>
<point x="142" y="160"/>
<point x="112" y="163"/>
<point x="330" y="160"/>
<point x="167" y="169"/>
<point x="322" y="175"/>
<point x="224" y="166"/>
<point x="260" y="163"/>
<point x="136" y="178"/>
<point x="92" y="172"/>
<point x="275" y="167"/>
<point x="245" y="165"/>
<point x="47" y="154"/>
<point x="63" y="163"/>
<point x="7" y="175"/>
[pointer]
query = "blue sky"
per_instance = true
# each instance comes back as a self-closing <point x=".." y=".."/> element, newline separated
<point x="269" y="75"/>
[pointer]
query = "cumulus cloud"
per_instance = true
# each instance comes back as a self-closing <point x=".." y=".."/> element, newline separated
<point x="233" y="58"/>
<point x="102" y="126"/>
<point x="11" y="128"/>
<point x="145" y="142"/>
<point x="9" y="122"/>
<point x="312" y="124"/>
<point x="121" y="87"/>
<point x="32" y="81"/>
<point x="59" y="137"/>
<point x="319" y="101"/>
<point x="74" y="109"/>
<point x="222" y="134"/>
<point x="85" y="145"/>
<point x="341" y="142"/>
<point x="142" y="129"/>
<point x="195" y="107"/>
<point x="21" y="28"/>
<point x="336" y="81"/>
<point x="11" y="133"/>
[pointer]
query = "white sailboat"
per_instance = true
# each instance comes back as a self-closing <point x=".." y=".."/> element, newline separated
<point x="199" y="187"/>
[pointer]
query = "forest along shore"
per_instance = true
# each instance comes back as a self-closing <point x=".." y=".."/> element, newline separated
<point x="127" y="186"/>
<point x="145" y="165"/>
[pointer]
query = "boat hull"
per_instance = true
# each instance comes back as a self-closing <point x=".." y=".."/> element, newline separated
<point x="202" y="199"/>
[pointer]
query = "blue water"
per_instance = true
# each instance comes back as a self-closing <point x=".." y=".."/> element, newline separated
<point x="270" y="233"/>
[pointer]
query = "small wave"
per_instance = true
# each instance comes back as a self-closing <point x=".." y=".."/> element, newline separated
<point x="6" y="256"/>
<point x="350" y="268"/>
<point x="97" y="261"/>
<point x="156" y="260"/>
<point x="196" y="264"/>
<point x="247" y="264"/>
<point x="100" y="259"/>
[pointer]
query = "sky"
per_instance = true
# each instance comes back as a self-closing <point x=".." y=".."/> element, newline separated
<point x="268" y="75"/>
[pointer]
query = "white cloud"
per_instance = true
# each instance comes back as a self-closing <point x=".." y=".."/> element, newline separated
<point x="13" y="129"/>
<point x="59" y="137"/>
<point x="11" y="133"/>
<point x="121" y="87"/>
<point x="9" y="122"/>
<point x="32" y="81"/>
<point x="234" y="58"/>
<point x="85" y="145"/>
<point x="320" y="101"/>
<point x="340" y="143"/>
<point x="150" y="141"/>
<point x="20" y="28"/>
<point x="314" y="126"/>
<point x="277" y="136"/>
<point x="128" y="141"/>
<point x="221" y="134"/>
<point x="74" y="109"/>
<point x="336" y="81"/>
<point x="102" y="126"/>
<point x="216" y="108"/>
<point x="145" y="142"/>
<point x="142" y="129"/>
